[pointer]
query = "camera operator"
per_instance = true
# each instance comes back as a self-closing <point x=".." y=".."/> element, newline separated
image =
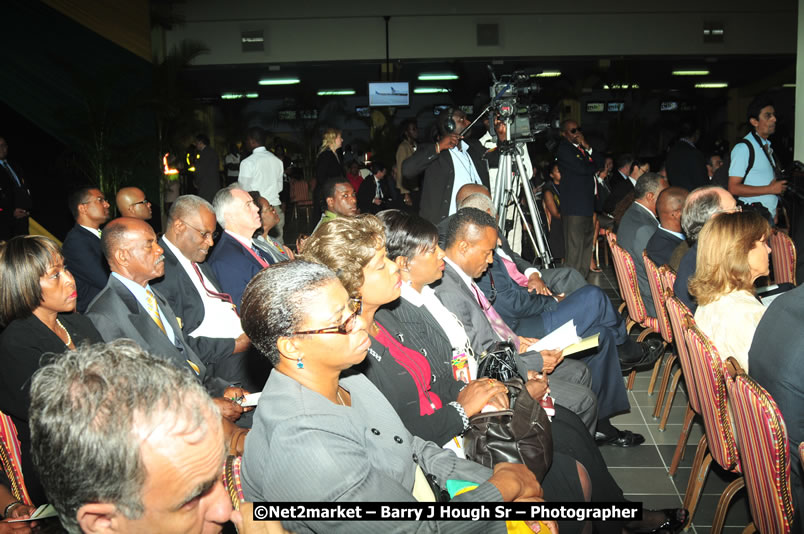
<point x="754" y="172"/>
<point x="451" y="162"/>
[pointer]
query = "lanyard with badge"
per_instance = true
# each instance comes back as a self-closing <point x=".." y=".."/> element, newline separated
<point x="777" y="171"/>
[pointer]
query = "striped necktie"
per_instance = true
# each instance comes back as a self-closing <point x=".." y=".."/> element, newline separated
<point x="153" y="310"/>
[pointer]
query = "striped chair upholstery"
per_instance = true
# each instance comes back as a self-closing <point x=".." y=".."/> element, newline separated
<point x="679" y="314"/>
<point x="10" y="458"/>
<point x="231" y="480"/>
<point x="629" y="288"/>
<point x="764" y="454"/>
<point x="718" y="442"/>
<point x="668" y="276"/>
<point x="783" y="254"/>
<point x="611" y="238"/>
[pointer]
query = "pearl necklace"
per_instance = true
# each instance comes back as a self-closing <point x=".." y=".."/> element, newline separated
<point x="69" y="338"/>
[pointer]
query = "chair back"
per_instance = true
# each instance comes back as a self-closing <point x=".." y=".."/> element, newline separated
<point x="710" y="372"/>
<point x="655" y="282"/>
<point x="783" y="255"/>
<point x="611" y="238"/>
<point x="764" y="453"/>
<point x="629" y="287"/>
<point x="10" y="458"/>
<point x="679" y="314"/>
<point x="300" y="193"/>
<point x="668" y="277"/>
<point x="231" y="480"/>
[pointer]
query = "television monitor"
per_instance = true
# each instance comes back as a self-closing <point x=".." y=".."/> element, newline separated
<point x="595" y="107"/>
<point x="363" y="111"/>
<point x="287" y="114"/>
<point x="389" y="94"/>
<point x="615" y="106"/>
<point x="669" y="106"/>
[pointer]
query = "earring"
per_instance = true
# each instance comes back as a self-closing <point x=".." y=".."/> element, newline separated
<point x="299" y="363"/>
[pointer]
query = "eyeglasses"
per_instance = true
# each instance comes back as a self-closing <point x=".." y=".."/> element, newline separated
<point x="204" y="235"/>
<point x="102" y="200"/>
<point x="735" y="209"/>
<point x="143" y="201"/>
<point x="356" y="307"/>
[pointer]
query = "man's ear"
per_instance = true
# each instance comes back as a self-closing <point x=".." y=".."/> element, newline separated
<point x="98" y="518"/>
<point x="121" y="257"/>
<point x="463" y="246"/>
<point x="330" y="202"/>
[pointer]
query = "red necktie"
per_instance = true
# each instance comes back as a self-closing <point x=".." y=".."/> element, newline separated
<point x="214" y="294"/>
<point x="516" y="276"/>
<point x="497" y="323"/>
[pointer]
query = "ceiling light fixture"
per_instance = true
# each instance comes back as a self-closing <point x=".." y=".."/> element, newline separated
<point x="711" y="85"/>
<point x="336" y="92"/>
<point x="437" y="76"/>
<point x="547" y="74"/>
<point x="279" y="81"/>
<point x="691" y="72"/>
<point x="236" y="96"/>
<point x="430" y="90"/>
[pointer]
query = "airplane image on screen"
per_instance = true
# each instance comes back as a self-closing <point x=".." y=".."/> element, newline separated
<point x="393" y="92"/>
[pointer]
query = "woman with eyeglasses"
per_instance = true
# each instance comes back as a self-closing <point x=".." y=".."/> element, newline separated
<point x="323" y="433"/>
<point x="732" y="253"/>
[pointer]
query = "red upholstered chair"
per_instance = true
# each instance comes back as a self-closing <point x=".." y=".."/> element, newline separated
<point x="764" y="454"/>
<point x="783" y="255"/>
<point x="718" y="441"/>
<point x="629" y="288"/>
<point x="10" y="458"/>
<point x="231" y="480"/>
<point x="668" y="278"/>
<point x="611" y="238"/>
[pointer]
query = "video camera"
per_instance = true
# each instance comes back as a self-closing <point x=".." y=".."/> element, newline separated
<point x="512" y="100"/>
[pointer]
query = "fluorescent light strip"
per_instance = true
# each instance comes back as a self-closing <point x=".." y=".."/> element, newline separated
<point x="438" y="76"/>
<point x="336" y="92"/>
<point x="429" y="90"/>
<point x="690" y="72"/>
<point x="236" y="96"/>
<point x="619" y="86"/>
<point x="279" y="81"/>
<point x="547" y="74"/>
<point x="711" y="85"/>
<point x="789" y="85"/>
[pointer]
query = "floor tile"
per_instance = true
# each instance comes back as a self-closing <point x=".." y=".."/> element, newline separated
<point x="716" y="480"/>
<point x="738" y="514"/>
<point x="671" y="433"/>
<point x="643" y="480"/>
<point x="667" y="451"/>
<point x="641" y="456"/>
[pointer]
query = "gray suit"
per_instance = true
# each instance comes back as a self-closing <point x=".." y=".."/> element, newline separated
<point x="116" y="314"/>
<point x="304" y="448"/>
<point x="570" y="382"/>
<point x="636" y="228"/>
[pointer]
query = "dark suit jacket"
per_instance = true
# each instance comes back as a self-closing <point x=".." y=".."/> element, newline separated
<point x="686" y="166"/>
<point x="636" y="228"/>
<point x="13" y="196"/>
<point x="439" y="176"/>
<point x="22" y="344"/>
<point x="207" y="173"/>
<point x="233" y="266"/>
<point x="685" y="271"/>
<point x="83" y="257"/>
<point x="116" y="314"/>
<point x="365" y="195"/>
<point x="661" y="246"/>
<point x="577" y="179"/>
<point x="184" y="300"/>
<point x="619" y="190"/>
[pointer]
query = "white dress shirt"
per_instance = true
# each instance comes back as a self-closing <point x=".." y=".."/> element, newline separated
<point x="140" y="293"/>
<point x="262" y="171"/>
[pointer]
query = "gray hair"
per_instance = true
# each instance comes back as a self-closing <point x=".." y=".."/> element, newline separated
<point x="185" y="205"/>
<point x="478" y="201"/>
<point x="276" y="302"/>
<point x="699" y="207"/>
<point x="650" y="182"/>
<point x="90" y="408"/>
<point x="222" y="202"/>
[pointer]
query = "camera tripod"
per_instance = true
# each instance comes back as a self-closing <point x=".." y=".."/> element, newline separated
<point x="510" y="181"/>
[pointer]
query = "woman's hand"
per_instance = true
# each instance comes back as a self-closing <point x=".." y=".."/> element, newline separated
<point x="537" y="385"/>
<point x="481" y="392"/>
<point x="23" y="511"/>
<point x="525" y="342"/>
<point x="516" y="482"/>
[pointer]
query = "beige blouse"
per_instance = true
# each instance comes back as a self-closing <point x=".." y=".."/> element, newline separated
<point x="730" y="322"/>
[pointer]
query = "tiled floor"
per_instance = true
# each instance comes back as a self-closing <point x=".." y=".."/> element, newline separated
<point x="642" y="471"/>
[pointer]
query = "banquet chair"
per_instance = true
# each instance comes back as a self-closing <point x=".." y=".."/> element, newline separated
<point x="10" y="459"/>
<point x="783" y="256"/>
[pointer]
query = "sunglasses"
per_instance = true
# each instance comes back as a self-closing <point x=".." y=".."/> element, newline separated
<point x="575" y="130"/>
<point x="355" y="306"/>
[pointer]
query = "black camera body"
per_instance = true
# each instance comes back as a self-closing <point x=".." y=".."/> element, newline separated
<point x="511" y="101"/>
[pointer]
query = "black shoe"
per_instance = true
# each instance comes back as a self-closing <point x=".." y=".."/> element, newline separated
<point x="623" y="438"/>
<point x="674" y="521"/>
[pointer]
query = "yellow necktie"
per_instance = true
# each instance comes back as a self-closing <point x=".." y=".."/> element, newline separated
<point x="153" y="310"/>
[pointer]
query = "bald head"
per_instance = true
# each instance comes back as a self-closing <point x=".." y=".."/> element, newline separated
<point x="470" y="189"/>
<point x="131" y="202"/>
<point x="668" y="207"/>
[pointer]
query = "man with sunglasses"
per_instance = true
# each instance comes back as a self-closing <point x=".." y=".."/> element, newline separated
<point x="578" y="164"/>
<point x="131" y="202"/>
<point x="206" y="315"/>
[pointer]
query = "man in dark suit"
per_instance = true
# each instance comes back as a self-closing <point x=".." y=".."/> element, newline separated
<point x="620" y="183"/>
<point x="449" y="164"/>
<point x="205" y="314"/>
<point x="128" y="307"/>
<point x="235" y="260"/>
<point x="637" y="227"/>
<point x="686" y="165"/>
<point x="207" y="168"/>
<point x="578" y="164"/>
<point x="775" y="362"/>
<point x="471" y="241"/>
<point x="668" y="236"/>
<point x="83" y="256"/>
<point x="15" y="198"/>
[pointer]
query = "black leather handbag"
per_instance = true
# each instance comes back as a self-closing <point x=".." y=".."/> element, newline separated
<point x="521" y="434"/>
<point x="498" y="362"/>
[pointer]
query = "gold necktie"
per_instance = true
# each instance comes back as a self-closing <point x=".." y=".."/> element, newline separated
<point x="153" y="310"/>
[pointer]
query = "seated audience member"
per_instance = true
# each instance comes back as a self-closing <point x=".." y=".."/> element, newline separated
<point x="37" y="301"/>
<point x="638" y="225"/>
<point x="471" y="240"/>
<point x="713" y="163"/>
<point x="668" y="236"/>
<point x="262" y="240"/>
<point x="308" y="404"/>
<point x="732" y="253"/>
<point x="700" y="206"/>
<point x="205" y="314"/>
<point x="378" y="191"/>
<point x="235" y="260"/>
<point x="620" y="182"/>
<point x="128" y="443"/>
<point x="340" y="199"/>
<point x="129" y="308"/>
<point x="82" y="248"/>
<point x="775" y="358"/>
<point x="131" y="202"/>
